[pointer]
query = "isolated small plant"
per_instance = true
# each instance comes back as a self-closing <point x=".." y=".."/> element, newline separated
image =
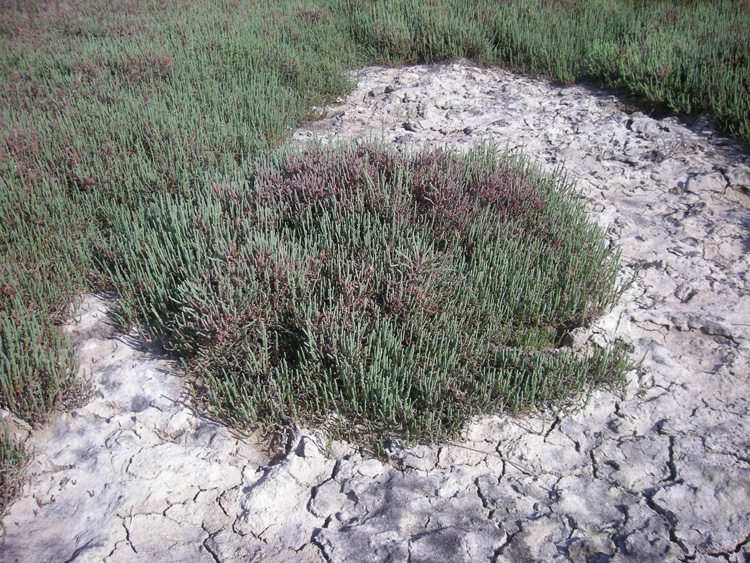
<point x="402" y="292"/>
<point x="13" y="459"/>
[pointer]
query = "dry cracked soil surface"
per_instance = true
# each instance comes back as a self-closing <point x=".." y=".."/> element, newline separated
<point x="659" y="473"/>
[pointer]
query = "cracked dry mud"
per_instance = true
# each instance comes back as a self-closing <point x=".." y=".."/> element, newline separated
<point x="659" y="474"/>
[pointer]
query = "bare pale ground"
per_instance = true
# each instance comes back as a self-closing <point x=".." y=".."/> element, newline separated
<point x="659" y="474"/>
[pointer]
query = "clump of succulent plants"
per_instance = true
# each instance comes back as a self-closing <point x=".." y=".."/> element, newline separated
<point x="391" y="292"/>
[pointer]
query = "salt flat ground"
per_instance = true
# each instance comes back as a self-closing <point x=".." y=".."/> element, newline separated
<point x="661" y="473"/>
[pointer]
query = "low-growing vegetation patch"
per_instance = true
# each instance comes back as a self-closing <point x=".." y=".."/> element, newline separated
<point x="399" y="293"/>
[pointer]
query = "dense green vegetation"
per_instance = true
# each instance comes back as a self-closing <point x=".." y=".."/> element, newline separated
<point x="122" y="115"/>
<point x="399" y="292"/>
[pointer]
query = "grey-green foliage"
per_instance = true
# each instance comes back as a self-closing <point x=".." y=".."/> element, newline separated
<point x="404" y="294"/>
<point x="46" y="261"/>
<point x="108" y="105"/>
